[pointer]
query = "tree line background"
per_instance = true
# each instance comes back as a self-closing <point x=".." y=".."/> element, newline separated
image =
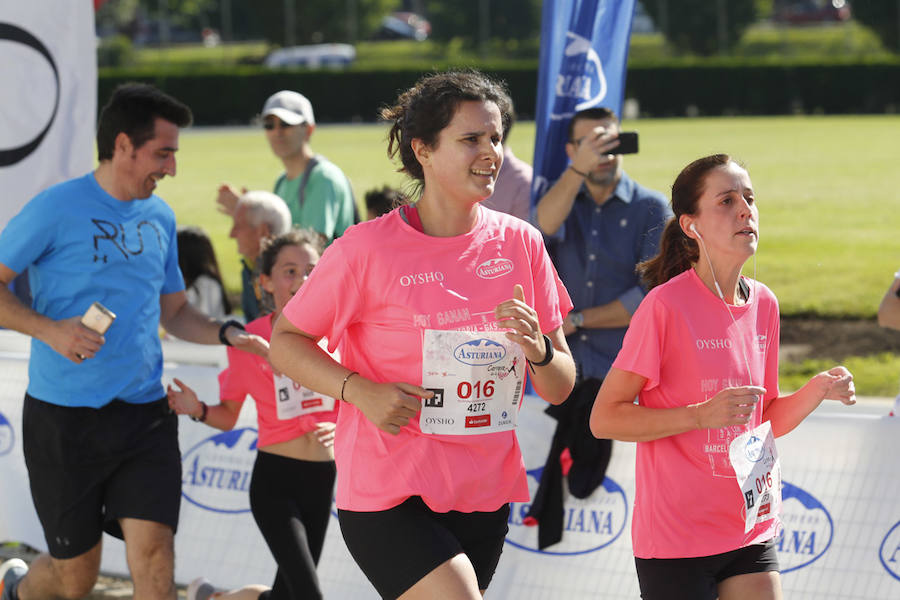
<point x="702" y="27"/>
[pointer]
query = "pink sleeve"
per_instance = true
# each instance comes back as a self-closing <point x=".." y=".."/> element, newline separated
<point x="330" y="300"/>
<point x="642" y="347"/>
<point x="232" y="386"/>
<point x="551" y="299"/>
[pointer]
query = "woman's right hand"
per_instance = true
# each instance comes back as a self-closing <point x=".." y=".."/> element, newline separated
<point x="183" y="401"/>
<point x="389" y="406"/>
<point x="731" y="406"/>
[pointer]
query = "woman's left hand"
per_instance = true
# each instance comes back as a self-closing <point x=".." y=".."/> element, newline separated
<point x="325" y="433"/>
<point x="522" y="319"/>
<point x="838" y="385"/>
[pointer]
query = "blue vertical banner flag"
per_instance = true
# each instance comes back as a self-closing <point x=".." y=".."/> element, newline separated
<point x="584" y="51"/>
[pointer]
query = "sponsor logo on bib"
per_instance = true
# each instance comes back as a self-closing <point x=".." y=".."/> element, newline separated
<point x="478" y="421"/>
<point x="7" y="435"/>
<point x="890" y="551"/>
<point x="479" y="352"/>
<point x="754" y="449"/>
<point x="216" y="471"/>
<point x="807" y="529"/>
<point x="494" y="268"/>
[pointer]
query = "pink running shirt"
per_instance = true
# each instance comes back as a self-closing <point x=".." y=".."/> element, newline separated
<point x="374" y="291"/>
<point x="687" y="501"/>
<point x="251" y="374"/>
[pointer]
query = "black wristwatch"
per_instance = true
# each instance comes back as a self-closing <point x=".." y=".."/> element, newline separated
<point x="226" y="325"/>
<point x="548" y="348"/>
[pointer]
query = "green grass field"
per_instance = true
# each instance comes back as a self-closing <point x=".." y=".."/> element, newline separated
<point x="826" y="188"/>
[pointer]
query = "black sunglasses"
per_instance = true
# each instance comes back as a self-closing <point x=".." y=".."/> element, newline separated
<point x="270" y="125"/>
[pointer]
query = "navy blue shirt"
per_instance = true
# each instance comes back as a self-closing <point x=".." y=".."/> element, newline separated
<point x="596" y="251"/>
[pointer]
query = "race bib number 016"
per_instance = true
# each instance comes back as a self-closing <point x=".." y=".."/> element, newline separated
<point x="755" y="460"/>
<point x="477" y="379"/>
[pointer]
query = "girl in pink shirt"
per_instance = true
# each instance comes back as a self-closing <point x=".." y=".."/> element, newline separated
<point x="440" y="309"/>
<point x="701" y="356"/>
<point x="293" y="476"/>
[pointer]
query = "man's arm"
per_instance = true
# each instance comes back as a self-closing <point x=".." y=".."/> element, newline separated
<point x="68" y="337"/>
<point x="605" y="316"/>
<point x="889" y="309"/>
<point x="554" y="207"/>
<point x="187" y="323"/>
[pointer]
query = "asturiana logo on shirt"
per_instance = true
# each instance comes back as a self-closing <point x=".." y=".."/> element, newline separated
<point x="494" y="268"/>
<point x="761" y="342"/>
<point x="421" y="278"/>
<point x="479" y="352"/>
<point x="217" y="471"/>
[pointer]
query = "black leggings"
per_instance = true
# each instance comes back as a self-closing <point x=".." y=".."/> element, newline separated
<point x="291" y="502"/>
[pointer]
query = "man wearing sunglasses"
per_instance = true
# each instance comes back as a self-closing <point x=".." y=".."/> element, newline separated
<point x="316" y="191"/>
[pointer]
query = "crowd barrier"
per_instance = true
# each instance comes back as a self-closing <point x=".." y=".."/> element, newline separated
<point x="841" y="511"/>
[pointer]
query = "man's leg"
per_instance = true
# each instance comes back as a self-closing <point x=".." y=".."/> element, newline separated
<point x="68" y="578"/>
<point x="150" y="550"/>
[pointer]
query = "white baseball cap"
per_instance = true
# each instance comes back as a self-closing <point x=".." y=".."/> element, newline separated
<point x="290" y="107"/>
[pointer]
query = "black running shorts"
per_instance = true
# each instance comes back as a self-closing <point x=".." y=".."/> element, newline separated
<point x="698" y="578"/>
<point x="90" y="467"/>
<point x="397" y="547"/>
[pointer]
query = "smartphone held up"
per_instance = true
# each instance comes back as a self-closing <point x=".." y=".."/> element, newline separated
<point x="628" y="143"/>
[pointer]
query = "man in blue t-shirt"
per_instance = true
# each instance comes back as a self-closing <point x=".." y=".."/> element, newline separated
<point x="100" y="443"/>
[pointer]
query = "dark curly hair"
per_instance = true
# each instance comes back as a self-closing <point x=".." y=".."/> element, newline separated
<point x="428" y="107"/>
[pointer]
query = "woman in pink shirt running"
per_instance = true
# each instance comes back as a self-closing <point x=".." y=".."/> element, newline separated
<point x="440" y="309"/>
<point x="701" y="356"/>
<point x="293" y="476"/>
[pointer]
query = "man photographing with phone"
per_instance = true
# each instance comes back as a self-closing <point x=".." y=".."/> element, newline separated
<point x="100" y="444"/>
<point x="599" y="225"/>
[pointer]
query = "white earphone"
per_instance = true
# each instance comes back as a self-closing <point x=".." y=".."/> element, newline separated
<point x="722" y="296"/>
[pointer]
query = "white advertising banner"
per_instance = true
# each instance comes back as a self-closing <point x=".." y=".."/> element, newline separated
<point x="48" y="96"/>
<point x="840" y="510"/>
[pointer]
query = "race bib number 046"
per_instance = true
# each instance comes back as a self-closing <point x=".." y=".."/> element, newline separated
<point x="477" y="379"/>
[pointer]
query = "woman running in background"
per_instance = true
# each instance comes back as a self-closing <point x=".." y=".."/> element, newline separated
<point x="293" y="478"/>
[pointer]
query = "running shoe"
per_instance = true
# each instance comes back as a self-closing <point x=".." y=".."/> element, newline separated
<point x="198" y="589"/>
<point x="11" y="573"/>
